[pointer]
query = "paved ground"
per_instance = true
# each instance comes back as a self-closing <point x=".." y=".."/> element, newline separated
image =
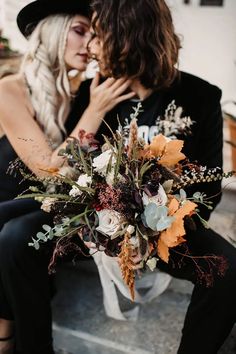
<point x="80" y="323"/>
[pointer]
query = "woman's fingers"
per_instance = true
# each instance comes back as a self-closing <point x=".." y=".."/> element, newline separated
<point x="120" y="82"/>
<point x="114" y="84"/>
<point x="107" y="83"/>
<point x="122" y="88"/>
<point x="119" y="87"/>
<point x="127" y="96"/>
<point x="107" y="95"/>
<point x="95" y="81"/>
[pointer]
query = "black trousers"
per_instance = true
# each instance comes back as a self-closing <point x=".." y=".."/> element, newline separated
<point x="212" y="312"/>
<point x="25" y="291"/>
<point x="25" y="286"/>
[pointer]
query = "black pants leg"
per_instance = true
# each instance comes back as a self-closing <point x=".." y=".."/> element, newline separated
<point x="212" y="310"/>
<point x="24" y="283"/>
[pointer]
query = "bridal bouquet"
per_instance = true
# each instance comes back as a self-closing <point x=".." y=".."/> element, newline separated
<point x="125" y="196"/>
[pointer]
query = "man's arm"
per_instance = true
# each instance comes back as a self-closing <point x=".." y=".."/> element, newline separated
<point x="210" y="151"/>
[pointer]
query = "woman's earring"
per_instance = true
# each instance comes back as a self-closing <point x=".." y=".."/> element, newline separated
<point x="93" y="56"/>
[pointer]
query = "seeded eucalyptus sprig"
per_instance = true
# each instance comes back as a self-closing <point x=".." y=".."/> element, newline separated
<point x="66" y="228"/>
<point x="202" y="178"/>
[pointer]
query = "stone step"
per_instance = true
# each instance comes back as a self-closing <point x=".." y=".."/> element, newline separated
<point x="85" y="343"/>
<point x="81" y="326"/>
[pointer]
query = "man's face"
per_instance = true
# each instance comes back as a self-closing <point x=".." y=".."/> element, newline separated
<point x="95" y="47"/>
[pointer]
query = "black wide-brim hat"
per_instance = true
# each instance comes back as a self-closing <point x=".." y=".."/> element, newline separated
<point x="34" y="12"/>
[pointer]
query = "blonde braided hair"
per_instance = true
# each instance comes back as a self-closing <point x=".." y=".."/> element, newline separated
<point x="46" y="75"/>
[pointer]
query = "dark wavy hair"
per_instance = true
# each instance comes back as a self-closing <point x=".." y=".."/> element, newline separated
<point x="138" y="40"/>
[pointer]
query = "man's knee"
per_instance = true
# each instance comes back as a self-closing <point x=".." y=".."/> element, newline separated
<point x="12" y="239"/>
<point x="16" y="235"/>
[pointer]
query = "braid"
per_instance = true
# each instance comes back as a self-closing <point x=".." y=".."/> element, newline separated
<point x="46" y="75"/>
<point x="62" y="82"/>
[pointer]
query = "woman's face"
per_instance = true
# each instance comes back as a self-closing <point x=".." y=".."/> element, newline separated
<point x="76" y="54"/>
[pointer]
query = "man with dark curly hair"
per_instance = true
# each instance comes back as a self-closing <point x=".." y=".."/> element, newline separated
<point x="136" y="40"/>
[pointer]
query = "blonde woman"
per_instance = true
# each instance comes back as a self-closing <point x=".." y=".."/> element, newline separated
<point x="38" y="109"/>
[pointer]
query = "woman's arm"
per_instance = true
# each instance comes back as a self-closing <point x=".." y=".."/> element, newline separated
<point x="28" y="139"/>
<point x="23" y="132"/>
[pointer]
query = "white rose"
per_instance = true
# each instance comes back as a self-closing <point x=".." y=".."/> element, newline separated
<point x="130" y="229"/>
<point x="110" y="177"/>
<point x="160" y="198"/>
<point x="109" y="221"/>
<point x="47" y="204"/>
<point x="75" y="192"/>
<point x="100" y="162"/>
<point x="83" y="181"/>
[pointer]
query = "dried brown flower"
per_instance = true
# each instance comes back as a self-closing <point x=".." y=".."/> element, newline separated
<point x="126" y="264"/>
<point x="133" y="138"/>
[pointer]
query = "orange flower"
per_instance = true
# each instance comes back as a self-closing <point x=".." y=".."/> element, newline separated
<point x="168" y="151"/>
<point x="51" y="170"/>
<point x="173" y="236"/>
<point x="163" y="251"/>
<point x="158" y="145"/>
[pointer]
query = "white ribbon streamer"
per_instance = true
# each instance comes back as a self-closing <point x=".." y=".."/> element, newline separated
<point x="110" y="275"/>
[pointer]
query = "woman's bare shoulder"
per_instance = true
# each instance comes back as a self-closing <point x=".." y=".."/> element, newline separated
<point x="11" y="85"/>
<point x="13" y="93"/>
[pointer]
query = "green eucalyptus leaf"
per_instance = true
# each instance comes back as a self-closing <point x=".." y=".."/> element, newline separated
<point x="46" y="227"/>
<point x="36" y="244"/>
<point x="51" y="235"/>
<point x="41" y="236"/>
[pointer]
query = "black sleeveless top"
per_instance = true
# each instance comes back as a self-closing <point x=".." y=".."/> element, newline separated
<point x="12" y="185"/>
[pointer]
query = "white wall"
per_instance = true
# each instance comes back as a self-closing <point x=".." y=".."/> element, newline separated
<point x="1" y="14"/>
<point x="209" y="42"/>
<point x="10" y="10"/>
<point x="209" y="39"/>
